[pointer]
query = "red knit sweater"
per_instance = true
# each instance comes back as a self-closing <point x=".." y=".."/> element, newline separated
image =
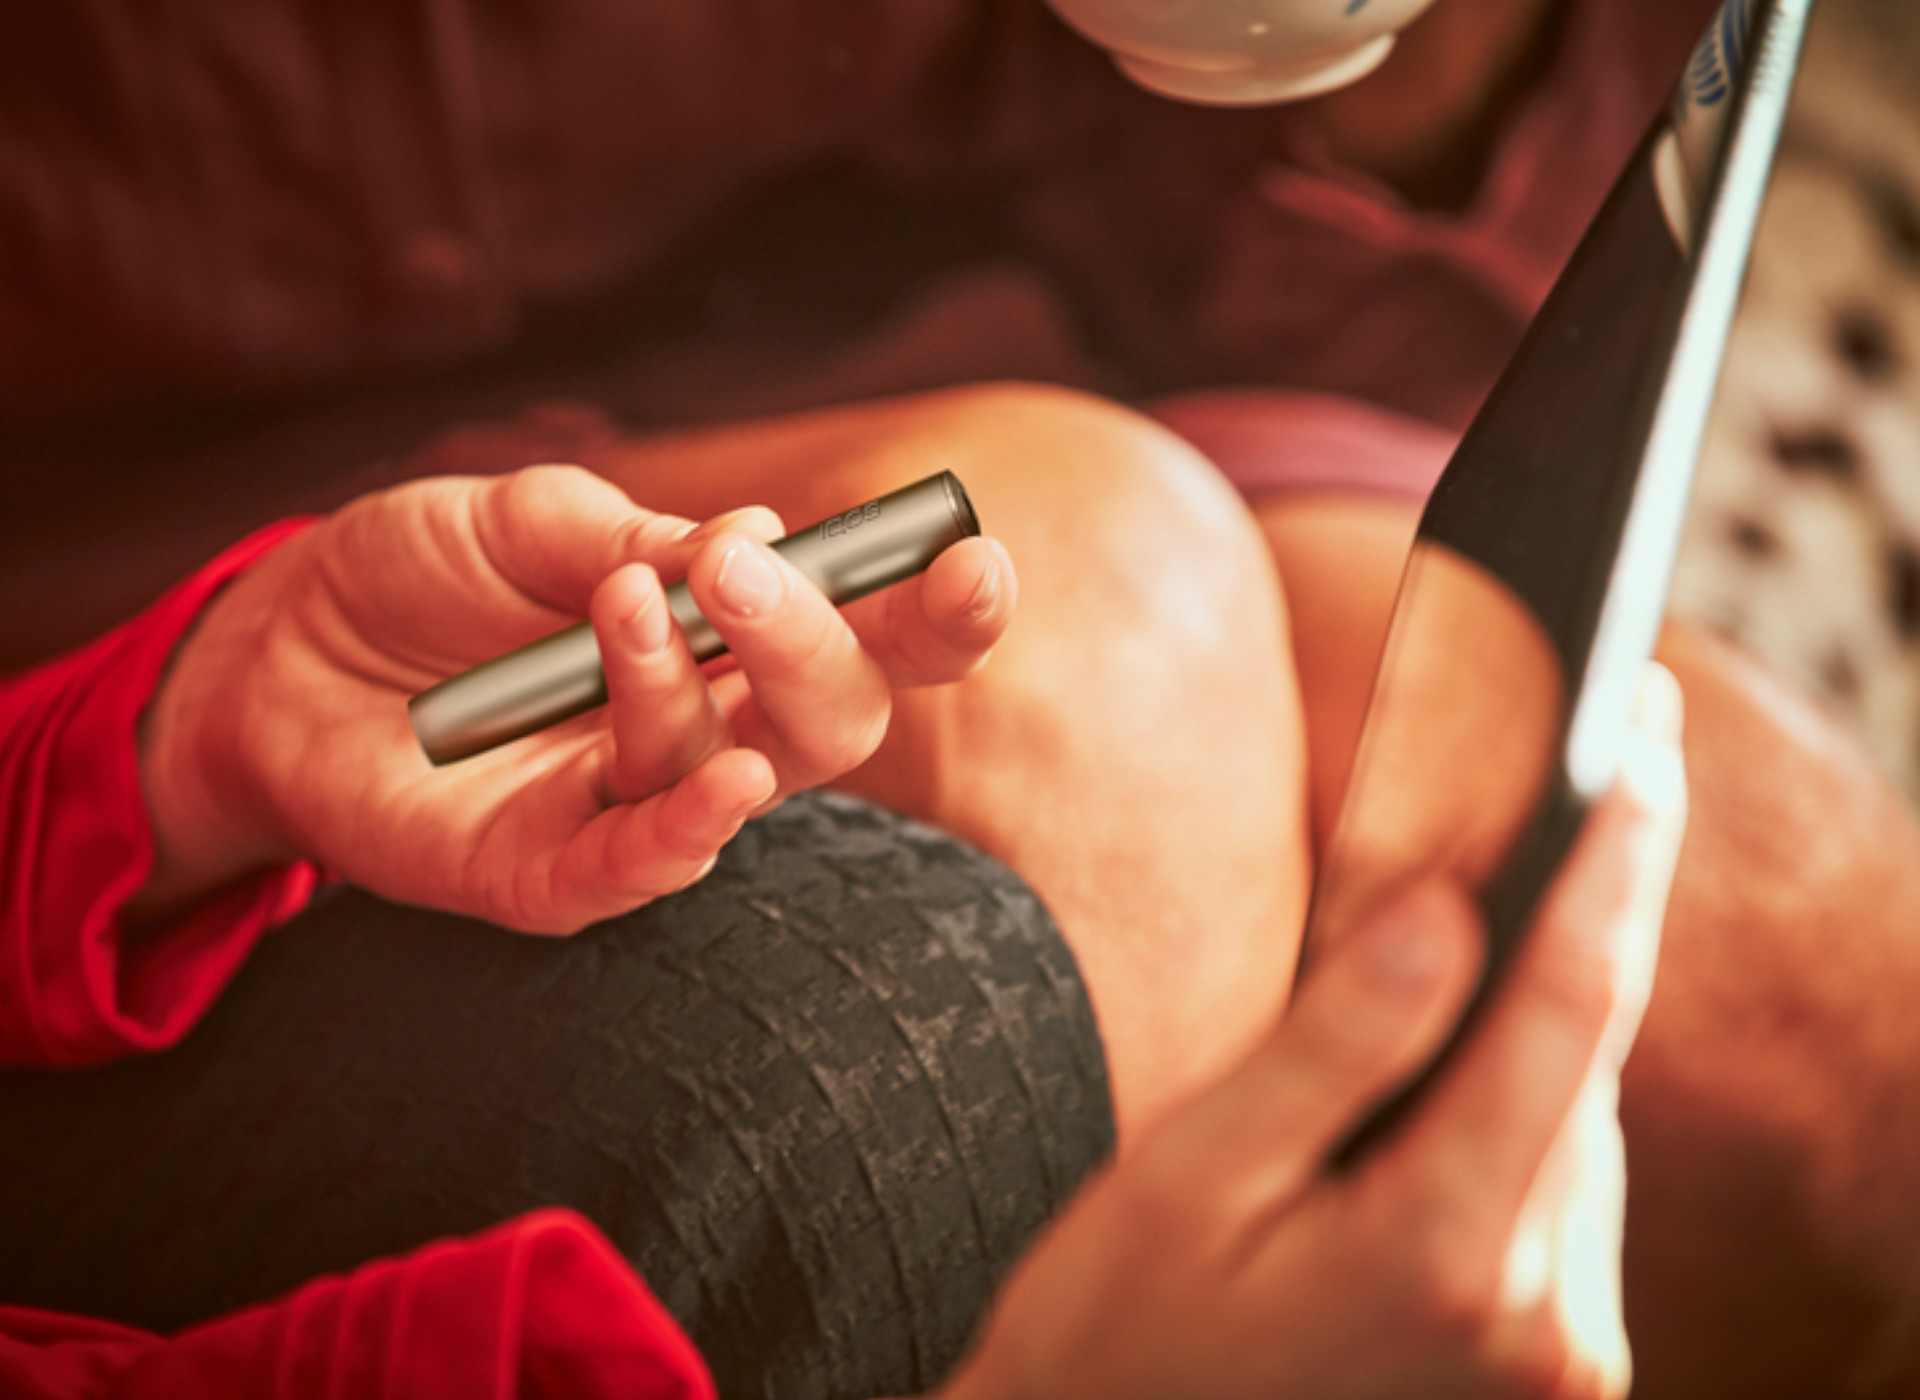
<point x="538" y="1306"/>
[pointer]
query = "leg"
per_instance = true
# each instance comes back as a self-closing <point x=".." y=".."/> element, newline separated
<point x="1139" y="718"/>
<point x="821" y="1100"/>
<point x="1772" y="1104"/>
<point x="1340" y="559"/>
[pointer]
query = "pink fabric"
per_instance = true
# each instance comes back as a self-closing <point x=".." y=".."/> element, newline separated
<point x="1270" y="442"/>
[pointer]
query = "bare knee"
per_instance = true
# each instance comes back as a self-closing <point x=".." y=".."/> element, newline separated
<point x="1110" y="516"/>
<point x="1135" y="747"/>
<point x="1150" y="631"/>
<point x="1771" y="1105"/>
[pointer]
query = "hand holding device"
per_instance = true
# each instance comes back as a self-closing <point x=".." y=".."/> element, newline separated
<point x="847" y="556"/>
<point x="281" y="729"/>
<point x="1478" y="1254"/>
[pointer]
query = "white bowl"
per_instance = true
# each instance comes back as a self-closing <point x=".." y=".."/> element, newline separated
<point x="1242" y="52"/>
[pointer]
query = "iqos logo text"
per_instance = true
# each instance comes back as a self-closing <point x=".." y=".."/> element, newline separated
<point x="851" y="521"/>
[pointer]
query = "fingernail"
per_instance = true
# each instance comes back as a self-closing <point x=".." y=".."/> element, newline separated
<point x="1650" y="762"/>
<point x="749" y="582"/>
<point x="1652" y="769"/>
<point x="1658" y="707"/>
<point x="649" y="626"/>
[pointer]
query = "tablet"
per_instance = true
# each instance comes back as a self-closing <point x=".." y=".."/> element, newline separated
<point x="1537" y="580"/>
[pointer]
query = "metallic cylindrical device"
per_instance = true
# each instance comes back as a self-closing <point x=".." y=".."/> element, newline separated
<point x="847" y="556"/>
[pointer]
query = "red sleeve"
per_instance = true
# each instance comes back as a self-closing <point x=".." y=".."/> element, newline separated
<point x="539" y="1307"/>
<point x="75" y="845"/>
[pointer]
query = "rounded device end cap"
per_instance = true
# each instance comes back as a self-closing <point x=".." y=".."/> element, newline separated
<point x="965" y="517"/>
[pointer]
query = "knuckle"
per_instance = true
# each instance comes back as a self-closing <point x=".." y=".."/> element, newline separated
<point x="1456" y="1301"/>
<point x="1582" y="1377"/>
<point x="534" y="908"/>
<point x="517" y="910"/>
<point x="647" y="536"/>
<point x="679" y="848"/>
<point x="1580" y="985"/>
<point x="510" y="513"/>
<point x="822" y="646"/>
<point x="519" y="893"/>
<point x="852" y="704"/>
<point x="1453" y="1293"/>
<point x="844" y="746"/>
<point x="532" y="488"/>
<point x="1354" y="1050"/>
<point x="525" y="897"/>
<point x="1158" y="1186"/>
<point x="1546" y="1365"/>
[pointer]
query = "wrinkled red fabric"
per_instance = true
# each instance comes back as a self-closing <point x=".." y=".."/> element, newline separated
<point x="75" y="987"/>
<point x="541" y="1306"/>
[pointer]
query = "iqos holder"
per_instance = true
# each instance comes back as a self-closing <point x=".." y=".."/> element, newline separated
<point x="847" y="556"/>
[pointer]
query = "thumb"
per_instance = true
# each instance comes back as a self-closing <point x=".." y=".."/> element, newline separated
<point x="1363" y="1021"/>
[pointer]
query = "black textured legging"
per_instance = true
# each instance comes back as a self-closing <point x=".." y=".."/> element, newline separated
<point x="821" y="1100"/>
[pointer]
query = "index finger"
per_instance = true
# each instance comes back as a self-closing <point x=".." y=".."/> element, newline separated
<point x="555" y="532"/>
